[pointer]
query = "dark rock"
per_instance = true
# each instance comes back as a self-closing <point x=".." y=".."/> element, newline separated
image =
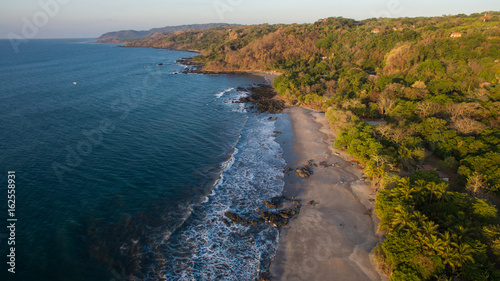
<point x="264" y="276"/>
<point x="233" y="217"/>
<point x="271" y="205"/>
<point x="271" y="106"/>
<point x="275" y="202"/>
<point x="189" y="62"/>
<point x="324" y="164"/>
<point x="264" y="97"/>
<point x="304" y="172"/>
<point x="312" y="163"/>
<point x="273" y="118"/>
<point x="313" y="203"/>
<point x="277" y="132"/>
<point x="280" y="218"/>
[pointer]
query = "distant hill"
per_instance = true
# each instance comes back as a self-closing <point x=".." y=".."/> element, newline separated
<point x="127" y="35"/>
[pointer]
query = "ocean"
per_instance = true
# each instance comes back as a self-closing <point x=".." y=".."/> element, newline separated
<point x="124" y="167"/>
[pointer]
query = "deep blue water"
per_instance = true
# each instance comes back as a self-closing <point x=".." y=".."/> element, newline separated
<point x="125" y="168"/>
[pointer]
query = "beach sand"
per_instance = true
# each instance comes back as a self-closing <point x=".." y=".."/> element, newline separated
<point x="333" y="239"/>
<point x="269" y="76"/>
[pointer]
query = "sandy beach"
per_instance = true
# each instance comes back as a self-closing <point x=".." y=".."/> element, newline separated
<point x="332" y="238"/>
<point x="269" y="76"/>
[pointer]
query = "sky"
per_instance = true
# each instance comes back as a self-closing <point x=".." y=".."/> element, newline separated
<point x="31" y="19"/>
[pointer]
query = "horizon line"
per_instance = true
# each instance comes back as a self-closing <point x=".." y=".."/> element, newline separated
<point x="359" y="20"/>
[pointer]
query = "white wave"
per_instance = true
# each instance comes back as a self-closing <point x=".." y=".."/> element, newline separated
<point x="220" y="94"/>
<point x="206" y="248"/>
<point x="233" y="101"/>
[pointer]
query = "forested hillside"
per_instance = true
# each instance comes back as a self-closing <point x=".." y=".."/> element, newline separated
<point x="433" y="86"/>
<point x="129" y="35"/>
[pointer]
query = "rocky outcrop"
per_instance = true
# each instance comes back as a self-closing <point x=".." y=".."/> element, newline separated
<point x="271" y="205"/>
<point x="235" y="218"/>
<point x="273" y="216"/>
<point x="312" y="163"/>
<point x="264" y="97"/>
<point x="280" y="218"/>
<point x="307" y="170"/>
<point x="304" y="172"/>
<point x="188" y="62"/>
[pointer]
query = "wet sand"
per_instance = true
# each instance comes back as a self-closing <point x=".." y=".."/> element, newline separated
<point x="333" y="239"/>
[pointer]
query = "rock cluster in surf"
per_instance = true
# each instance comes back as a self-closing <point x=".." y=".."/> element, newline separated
<point x="274" y="216"/>
<point x="264" y="97"/>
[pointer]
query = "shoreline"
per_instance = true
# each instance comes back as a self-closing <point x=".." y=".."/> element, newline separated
<point x="332" y="238"/>
<point x="199" y="68"/>
<point x="336" y="230"/>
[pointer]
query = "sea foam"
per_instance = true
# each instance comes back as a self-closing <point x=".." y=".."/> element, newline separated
<point x="205" y="248"/>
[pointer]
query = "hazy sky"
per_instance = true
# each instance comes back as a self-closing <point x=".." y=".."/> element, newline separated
<point x="91" y="18"/>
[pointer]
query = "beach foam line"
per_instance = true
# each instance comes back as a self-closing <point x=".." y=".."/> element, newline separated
<point x="205" y="248"/>
<point x="220" y="94"/>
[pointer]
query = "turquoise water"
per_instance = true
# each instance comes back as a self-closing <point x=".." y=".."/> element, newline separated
<point x="125" y="167"/>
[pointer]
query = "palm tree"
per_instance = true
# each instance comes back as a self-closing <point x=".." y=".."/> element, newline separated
<point x="420" y="186"/>
<point x="458" y="234"/>
<point x="442" y="191"/>
<point x="405" y="190"/>
<point x="429" y="228"/>
<point x="434" y="243"/>
<point x="449" y="255"/>
<point x="419" y="217"/>
<point x="401" y="218"/>
<point x="412" y="228"/>
<point x="456" y="255"/>
<point x="464" y="254"/>
<point x="432" y="186"/>
<point x="446" y="237"/>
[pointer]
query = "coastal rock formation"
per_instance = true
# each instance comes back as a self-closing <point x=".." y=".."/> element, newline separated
<point x="280" y="218"/>
<point x="235" y="218"/>
<point x="304" y="172"/>
<point x="275" y="217"/>
<point x="312" y="163"/>
<point x="188" y="62"/>
<point x="271" y="205"/>
<point x="264" y="96"/>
